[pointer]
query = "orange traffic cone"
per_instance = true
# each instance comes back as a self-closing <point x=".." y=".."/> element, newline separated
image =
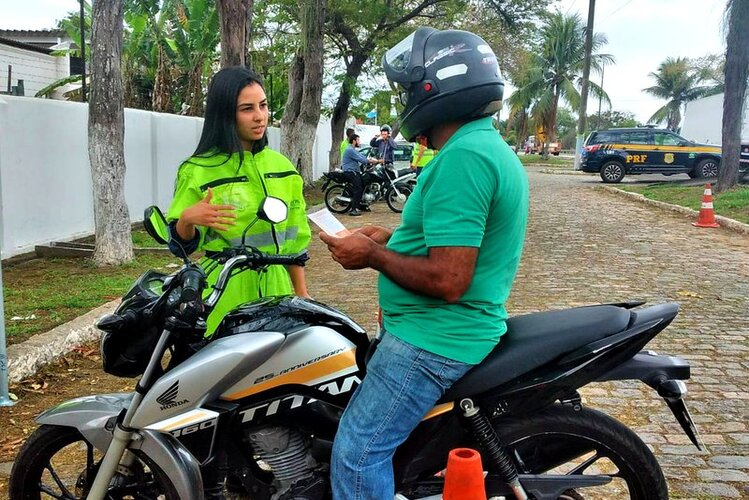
<point x="707" y="215"/>
<point x="464" y="479"/>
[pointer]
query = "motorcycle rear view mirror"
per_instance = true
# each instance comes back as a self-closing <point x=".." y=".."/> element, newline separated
<point x="273" y="210"/>
<point x="155" y="224"/>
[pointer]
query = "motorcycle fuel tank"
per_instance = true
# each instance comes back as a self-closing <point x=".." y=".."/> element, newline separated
<point x="206" y="375"/>
<point x="313" y="356"/>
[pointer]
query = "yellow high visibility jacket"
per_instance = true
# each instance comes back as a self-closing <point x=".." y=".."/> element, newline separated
<point x="426" y="156"/>
<point x="267" y="173"/>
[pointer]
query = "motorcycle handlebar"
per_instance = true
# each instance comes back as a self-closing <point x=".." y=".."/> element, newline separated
<point x="284" y="260"/>
<point x="252" y="259"/>
<point x="192" y="284"/>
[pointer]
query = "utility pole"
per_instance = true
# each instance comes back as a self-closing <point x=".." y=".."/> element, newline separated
<point x="582" y="120"/>
<point x="4" y="394"/>
<point x="600" y="98"/>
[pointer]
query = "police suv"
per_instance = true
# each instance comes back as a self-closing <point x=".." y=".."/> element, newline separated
<point x="617" y="152"/>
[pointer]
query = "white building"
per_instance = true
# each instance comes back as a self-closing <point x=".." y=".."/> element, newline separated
<point x="25" y="58"/>
<point x="703" y="121"/>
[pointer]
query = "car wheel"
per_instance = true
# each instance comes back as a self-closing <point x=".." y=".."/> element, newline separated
<point x="612" y="172"/>
<point x="705" y="168"/>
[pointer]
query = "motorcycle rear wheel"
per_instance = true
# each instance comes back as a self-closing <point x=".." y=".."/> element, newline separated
<point x="333" y="201"/>
<point x="561" y="440"/>
<point x="58" y="462"/>
<point x="391" y="197"/>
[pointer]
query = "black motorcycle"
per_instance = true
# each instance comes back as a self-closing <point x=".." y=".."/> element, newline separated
<point x="254" y="409"/>
<point x="378" y="182"/>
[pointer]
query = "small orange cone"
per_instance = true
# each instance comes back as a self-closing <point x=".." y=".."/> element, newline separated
<point x="707" y="215"/>
<point x="464" y="479"/>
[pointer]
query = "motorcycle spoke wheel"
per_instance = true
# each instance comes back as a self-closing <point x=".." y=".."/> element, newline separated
<point x="333" y="199"/>
<point x="560" y="440"/>
<point x="57" y="462"/>
<point x="396" y="202"/>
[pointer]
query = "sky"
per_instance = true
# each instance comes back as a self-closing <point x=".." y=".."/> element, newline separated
<point x="641" y="34"/>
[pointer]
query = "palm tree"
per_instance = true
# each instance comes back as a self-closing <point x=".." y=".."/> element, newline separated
<point x="556" y="70"/>
<point x="196" y="41"/>
<point x="734" y="99"/>
<point x="678" y="83"/>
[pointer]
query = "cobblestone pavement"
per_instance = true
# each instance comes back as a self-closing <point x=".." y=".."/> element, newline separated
<point x="585" y="246"/>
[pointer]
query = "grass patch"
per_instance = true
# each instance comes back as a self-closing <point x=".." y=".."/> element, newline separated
<point x="54" y="291"/>
<point x="553" y="161"/>
<point x="45" y="293"/>
<point x="733" y="203"/>
<point x="313" y="195"/>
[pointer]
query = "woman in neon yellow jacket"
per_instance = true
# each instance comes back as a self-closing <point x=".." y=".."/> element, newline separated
<point x="220" y="187"/>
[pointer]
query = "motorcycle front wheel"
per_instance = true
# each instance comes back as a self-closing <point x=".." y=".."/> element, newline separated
<point x="562" y="440"/>
<point x="57" y="462"/>
<point x="338" y="198"/>
<point x="396" y="202"/>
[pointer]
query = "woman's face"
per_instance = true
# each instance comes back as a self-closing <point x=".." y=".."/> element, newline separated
<point x="252" y="114"/>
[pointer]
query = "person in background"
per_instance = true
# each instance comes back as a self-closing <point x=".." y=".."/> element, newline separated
<point x="421" y="155"/>
<point x="351" y="164"/>
<point x="385" y="145"/>
<point x="221" y="186"/>
<point x="446" y="272"/>
<point x="345" y="142"/>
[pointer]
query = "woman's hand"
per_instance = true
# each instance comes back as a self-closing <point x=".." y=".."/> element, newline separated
<point x="219" y="217"/>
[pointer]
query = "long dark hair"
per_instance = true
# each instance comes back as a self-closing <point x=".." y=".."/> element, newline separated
<point x="220" y="125"/>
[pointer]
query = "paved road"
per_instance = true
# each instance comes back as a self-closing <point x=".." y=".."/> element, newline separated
<point x="586" y="246"/>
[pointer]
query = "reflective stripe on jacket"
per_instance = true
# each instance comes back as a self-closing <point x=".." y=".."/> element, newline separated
<point x="244" y="186"/>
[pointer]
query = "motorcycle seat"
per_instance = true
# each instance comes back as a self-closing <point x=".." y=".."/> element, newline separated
<point x="535" y="339"/>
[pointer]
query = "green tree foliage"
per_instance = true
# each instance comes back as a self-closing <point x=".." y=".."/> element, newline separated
<point x="612" y="119"/>
<point x="358" y="31"/>
<point x="566" y="127"/>
<point x="274" y="41"/>
<point x="711" y="69"/>
<point x="554" y="71"/>
<point x="677" y="82"/>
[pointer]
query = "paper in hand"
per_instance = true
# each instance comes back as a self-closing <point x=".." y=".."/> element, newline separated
<point x="328" y="223"/>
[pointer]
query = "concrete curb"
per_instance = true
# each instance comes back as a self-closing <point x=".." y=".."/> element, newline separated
<point x="26" y="358"/>
<point x="725" y="222"/>
<point x="561" y="171"/>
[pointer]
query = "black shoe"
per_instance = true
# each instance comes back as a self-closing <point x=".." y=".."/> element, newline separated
<point x="355" y="213"/>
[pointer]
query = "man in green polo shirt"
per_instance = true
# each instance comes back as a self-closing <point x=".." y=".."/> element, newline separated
<point x="447" y="270"/>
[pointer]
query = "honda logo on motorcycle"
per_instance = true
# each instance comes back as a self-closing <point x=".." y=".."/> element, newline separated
<point x="168" y="398"/>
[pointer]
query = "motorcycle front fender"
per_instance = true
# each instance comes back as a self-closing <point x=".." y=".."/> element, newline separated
<point x="93" y="416"/>
<point x="174" y="459"/>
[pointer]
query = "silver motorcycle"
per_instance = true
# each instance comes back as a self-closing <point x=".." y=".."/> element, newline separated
<point x="251" y="412"/>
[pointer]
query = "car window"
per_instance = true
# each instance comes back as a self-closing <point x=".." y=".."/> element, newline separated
<point x="604" y="136"/>
<point x="636" y="137"/>
<point x="666" y="139"/>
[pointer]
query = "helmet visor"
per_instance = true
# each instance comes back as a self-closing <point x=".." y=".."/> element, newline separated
<point x="399" y="57"/>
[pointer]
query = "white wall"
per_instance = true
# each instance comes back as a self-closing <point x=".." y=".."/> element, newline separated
<point x="35" y="69"/>
<point x="45" y="175"/>
<point x="703" y="120"/>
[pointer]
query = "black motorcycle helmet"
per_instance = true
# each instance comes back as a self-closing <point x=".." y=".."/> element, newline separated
<point x="443" y="76"/>
<point x="386" y="128"/>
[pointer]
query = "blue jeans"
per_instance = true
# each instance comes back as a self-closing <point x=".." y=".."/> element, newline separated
<point x="402" y="384"/>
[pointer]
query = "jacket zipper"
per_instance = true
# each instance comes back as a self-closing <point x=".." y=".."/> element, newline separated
<point x="220" y="182"/>
<point x="280" y="175"/>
